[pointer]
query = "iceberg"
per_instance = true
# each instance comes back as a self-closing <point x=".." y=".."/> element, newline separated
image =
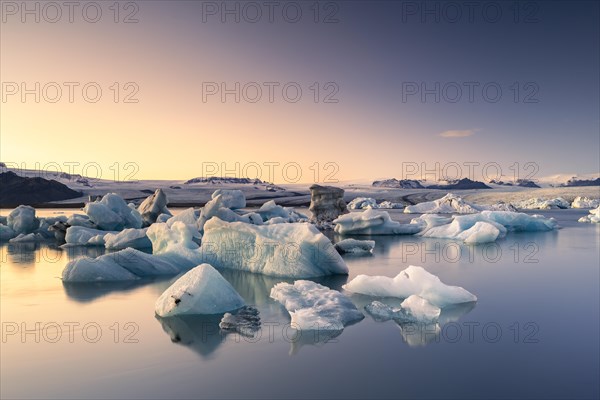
<point x="177" y="238"/>
<point x="81" y="236"/>
<point x="448" y="204"/>
<point x="153" y="206"/>
<point x="111" y="213"/>
<point x="413" y="280"/>
<point x="483" y="227"/>
<point x="215" y="208"/>
<point x="27" y="238"/>
<point x="124" y="265"/>
<point x="6" y="233"/>
<point x="593" y="217"/>
<point x="231" y="198"/>
<point x="585" y="202"/>
<point x="356" y="247"/>
<point x="135" y="238"/>
<point x="22" y="220"/>
<point x="315" y="307"/>
<point x="326" y="203"/>
<point x="202" y="290"/>
<point x="285" y="250"/>
<point x="361" y="203"/>
<point x="390" y="205"/>
<point x="372" y="222"/>
<point x="270" y="210"/>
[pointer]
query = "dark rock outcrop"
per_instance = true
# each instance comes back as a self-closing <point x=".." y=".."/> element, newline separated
<point x="16" y="190"/>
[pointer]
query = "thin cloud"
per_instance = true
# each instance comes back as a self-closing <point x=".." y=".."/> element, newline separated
<point x="457" y="133"/>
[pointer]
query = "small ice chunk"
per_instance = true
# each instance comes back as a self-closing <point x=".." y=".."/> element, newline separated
<point x="270" y="210"/>
<point x="315" y="307"/>
<point x="354" y="246"/>
<point x="201" y="290"/>
<point x="372" y="222"/>
<point x="231" y="198"/>
<point x="245" y="321"/>
<point x="413" y="280"/>
<point x="27" y="238"/>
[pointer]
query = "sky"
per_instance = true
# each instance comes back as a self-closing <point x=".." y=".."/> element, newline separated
<point x="301" y="91"/>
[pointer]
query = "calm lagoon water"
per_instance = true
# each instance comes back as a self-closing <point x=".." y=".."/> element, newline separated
<point x="534" y="331"/>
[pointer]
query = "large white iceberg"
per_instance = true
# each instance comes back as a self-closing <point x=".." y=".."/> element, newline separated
<point x="372" y="222"/>
<point x="593" y="216"/>
<point x="127" y="264"/>
<point x="585" y="202"/>
<point x="112" y="213"/>
<point x="290" y="250"/>
<point x="202" y="290"/>
<point x="315" y="307"/>
<point x="412" y="281"/>
<point x="231" y="198"/>
<point x="175" y="241"/>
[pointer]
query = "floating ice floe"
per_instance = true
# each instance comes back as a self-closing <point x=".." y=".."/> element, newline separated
<point x="287" y="250"/>
<point x="202" y="290"/>
<point x="448" y="204"/>
<point x="412" y="281"/>
<point x="111" y="213"/>
<point x="231" y="198"/>
<point x="355" y="247"/>
<point x="245" y="321"/>
<point x="413" y="309"/>
<point x="134" y="238"/>
<point x="127" y="264"/>
<point x="390" y="205"/>
<point x="153" y="207"/>
<point x="372" y="222"/>
<point x="483" y="227"/>
<point x="541" y="204"/>
<point x="315" y="307"/>
<point x="593" y="217"/>
<point x="585" y="202"/>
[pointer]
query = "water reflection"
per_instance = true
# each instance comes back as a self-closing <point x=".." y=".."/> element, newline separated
<point x="92" y="291"/>
<point x="199" y="333"/>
